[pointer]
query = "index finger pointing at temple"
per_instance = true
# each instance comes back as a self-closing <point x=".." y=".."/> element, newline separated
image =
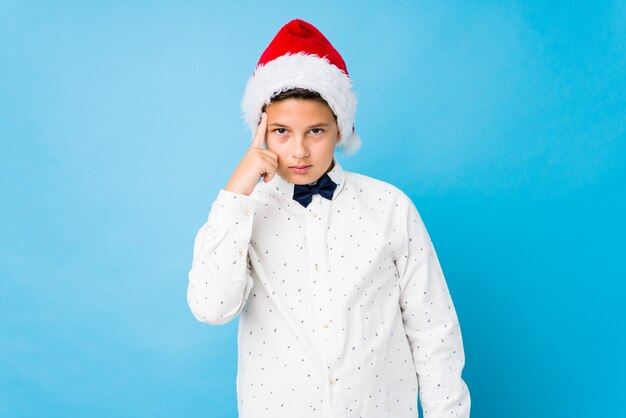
<point x="259" y="136"/>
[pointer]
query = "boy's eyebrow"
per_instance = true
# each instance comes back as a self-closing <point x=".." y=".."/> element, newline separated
<point x="317" y="125"/>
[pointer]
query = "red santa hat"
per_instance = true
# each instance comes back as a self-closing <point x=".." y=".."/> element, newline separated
<point x="301" y="56"/>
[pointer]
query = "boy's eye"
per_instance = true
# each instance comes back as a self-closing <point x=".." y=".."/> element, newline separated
<point x="317" y="131"/>
<point x="280" y="131"/>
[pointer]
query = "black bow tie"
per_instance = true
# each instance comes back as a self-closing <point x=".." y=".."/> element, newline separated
<point x="303" y="193"/>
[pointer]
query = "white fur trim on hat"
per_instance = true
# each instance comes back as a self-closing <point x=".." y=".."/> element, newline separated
<point x="308" y="72"/>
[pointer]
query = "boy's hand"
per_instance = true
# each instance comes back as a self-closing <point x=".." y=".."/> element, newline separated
<point x="258" y="162"/>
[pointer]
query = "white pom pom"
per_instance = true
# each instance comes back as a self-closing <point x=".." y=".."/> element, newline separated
<point x="351" y="145"/>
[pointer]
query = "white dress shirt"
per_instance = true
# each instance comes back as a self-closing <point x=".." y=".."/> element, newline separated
<point x="344" y="309"/>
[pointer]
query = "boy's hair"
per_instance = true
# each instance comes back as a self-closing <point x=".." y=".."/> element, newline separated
<point x="298" y="93"/>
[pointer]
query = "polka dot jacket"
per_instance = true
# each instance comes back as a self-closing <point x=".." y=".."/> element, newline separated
<point x="343" y="307"/>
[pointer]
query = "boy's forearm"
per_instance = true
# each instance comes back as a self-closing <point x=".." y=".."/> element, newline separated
<point x="219" y="279"/>
<point x="439" y="364"/>
<point x="434" y="333"/>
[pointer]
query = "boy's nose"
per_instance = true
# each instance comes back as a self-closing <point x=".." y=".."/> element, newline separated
<point x="299" y="149"/>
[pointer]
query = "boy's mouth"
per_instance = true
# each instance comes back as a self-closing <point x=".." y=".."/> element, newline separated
<point x="300" y="169"/>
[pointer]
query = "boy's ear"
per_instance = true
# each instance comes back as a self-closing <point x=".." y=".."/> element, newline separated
<point x="338" y="136"/>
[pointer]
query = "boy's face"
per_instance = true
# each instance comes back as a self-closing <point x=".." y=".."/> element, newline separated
<point x="303" y="134"/>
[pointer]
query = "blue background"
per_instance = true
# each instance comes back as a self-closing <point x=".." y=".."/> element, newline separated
<point x="120" y="121"/>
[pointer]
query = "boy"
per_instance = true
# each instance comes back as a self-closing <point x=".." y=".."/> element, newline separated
<point x="344" y="310"/>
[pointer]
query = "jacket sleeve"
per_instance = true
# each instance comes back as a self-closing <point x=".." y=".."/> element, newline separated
<point x="430" y="323"/>
<point x="219" y="279"/>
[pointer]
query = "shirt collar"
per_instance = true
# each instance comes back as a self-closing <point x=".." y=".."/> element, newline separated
<point x="284" y="188"/>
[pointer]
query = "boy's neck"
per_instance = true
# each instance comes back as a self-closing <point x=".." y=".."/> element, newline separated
<point x="331" y="166"/>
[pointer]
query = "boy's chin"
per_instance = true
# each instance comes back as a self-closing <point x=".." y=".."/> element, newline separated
<point x="299" y="178"/>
